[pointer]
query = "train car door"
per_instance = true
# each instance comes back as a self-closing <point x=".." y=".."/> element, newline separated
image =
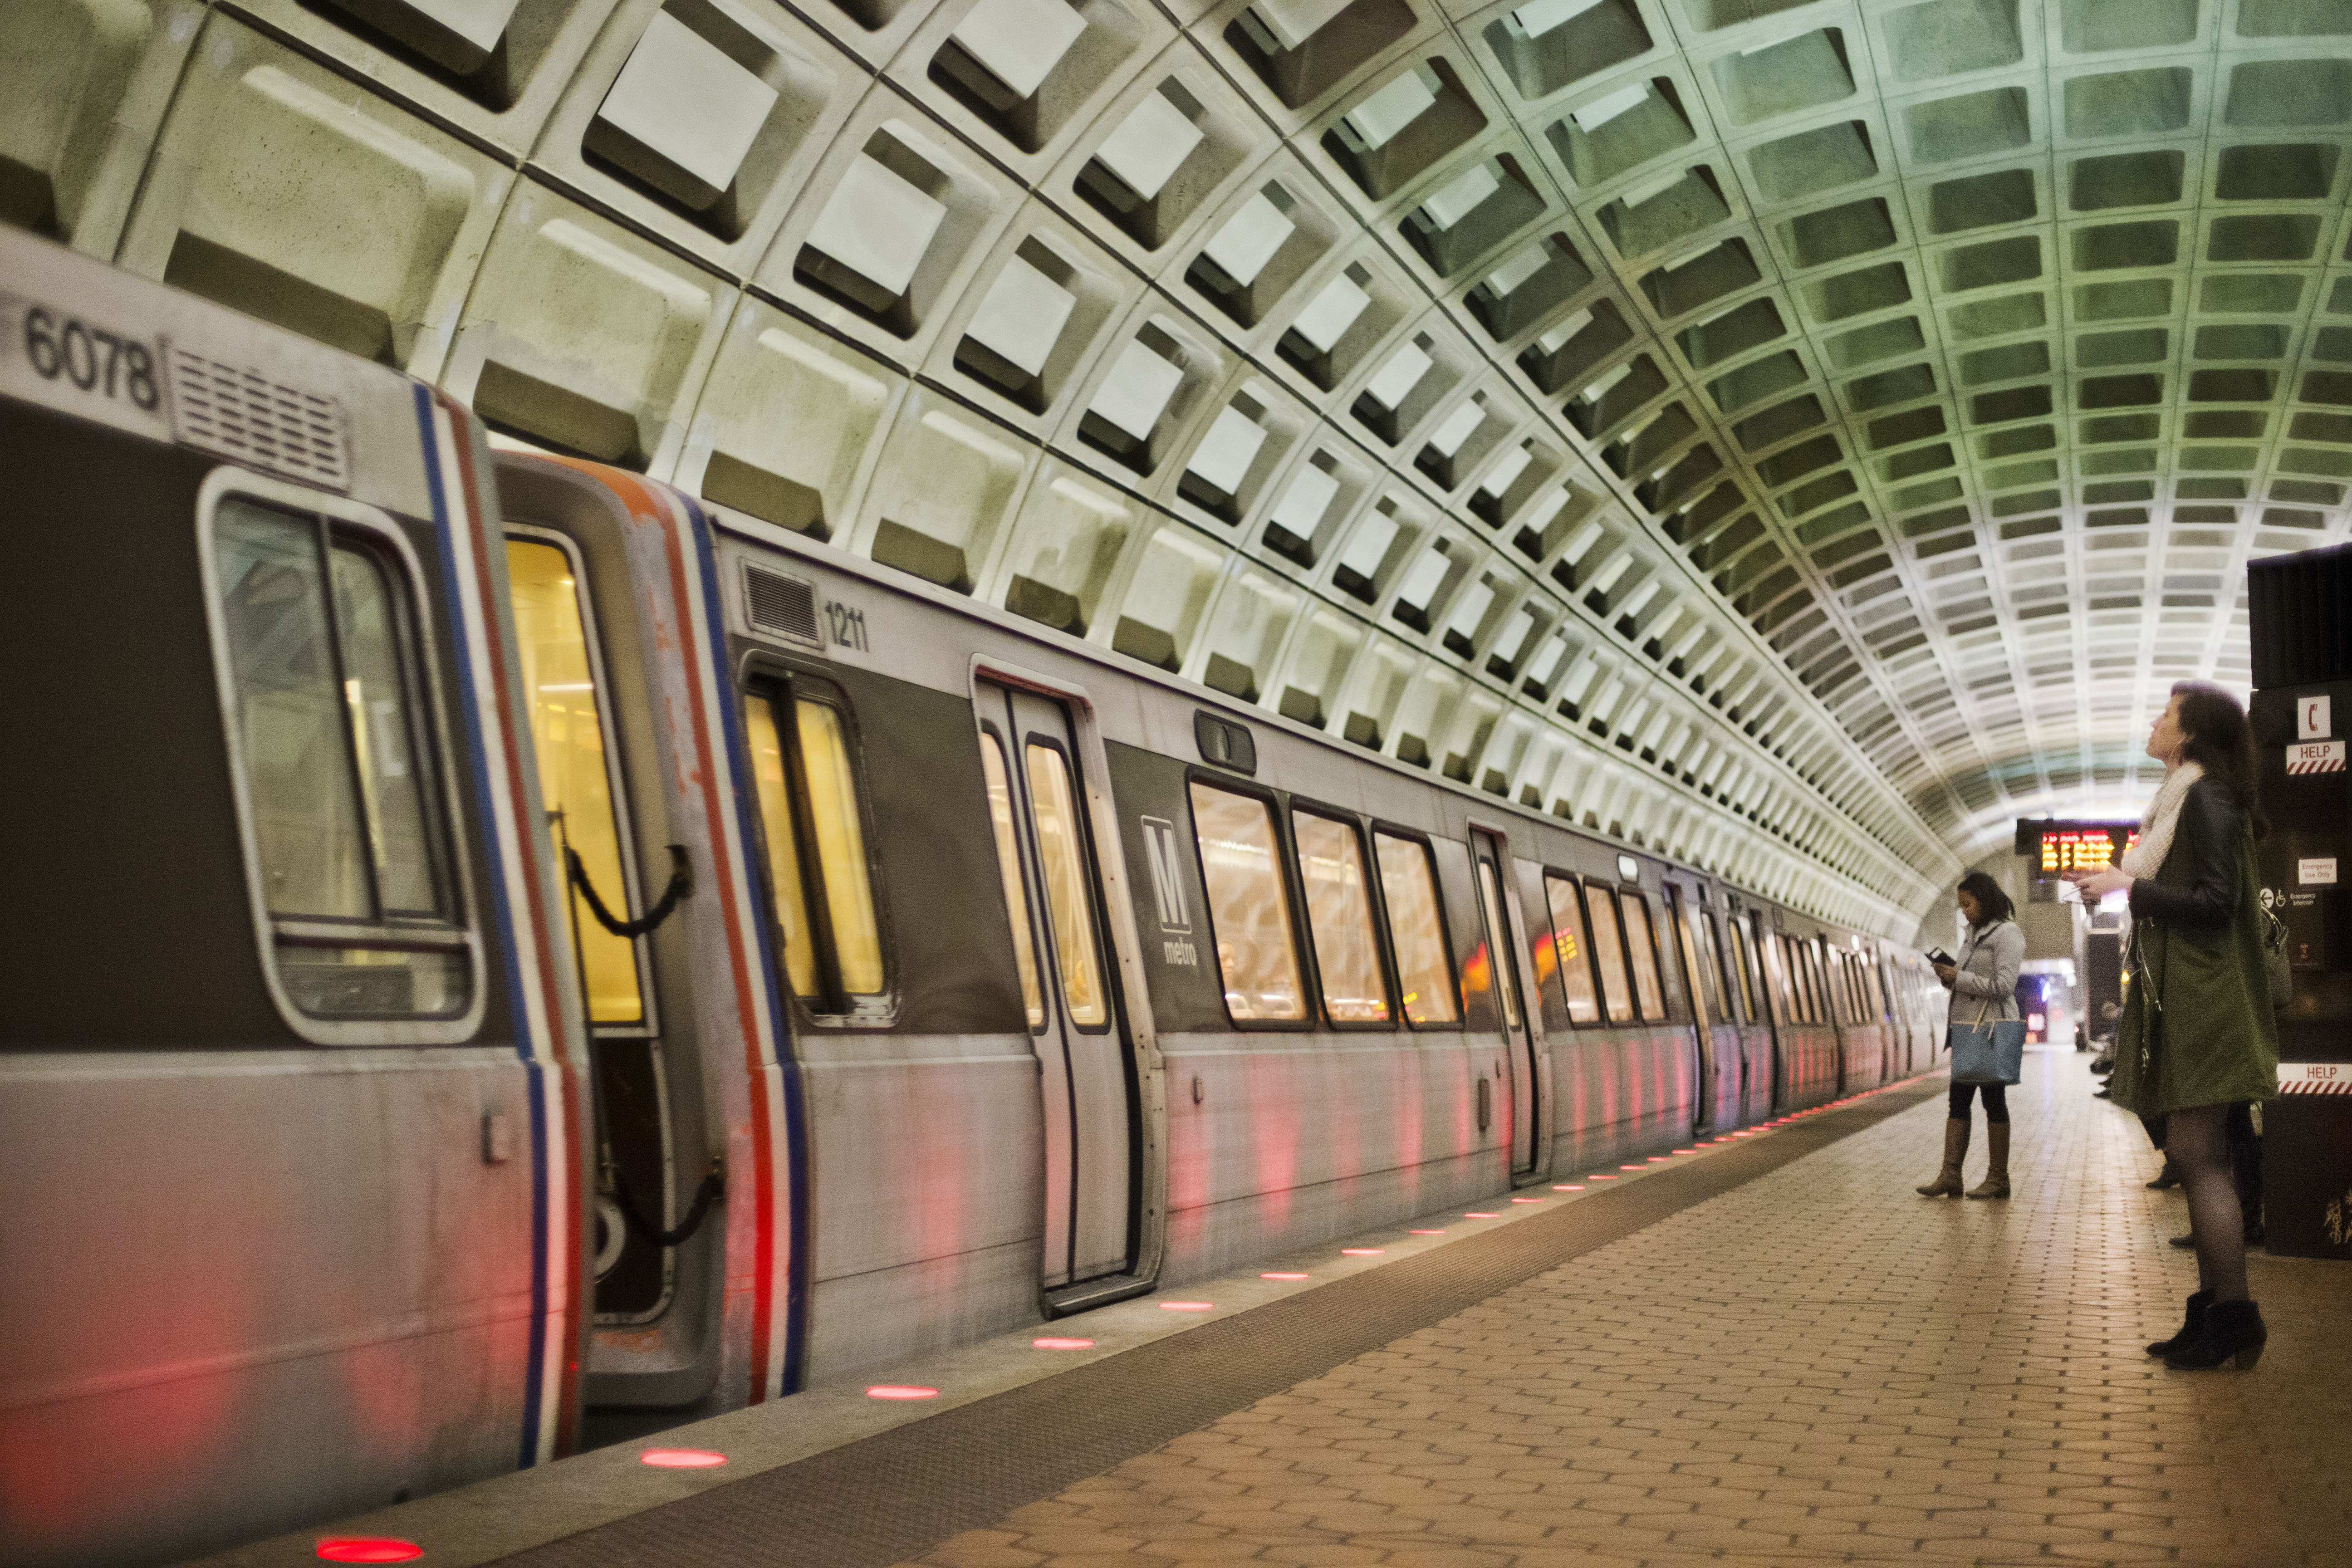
<point x="1757" y="1044"/>
<point x="1052" y="887"/>
<point x="1706" y="1004"/>
<point x="584" y="789"/>
<point x="1498" y="915"/>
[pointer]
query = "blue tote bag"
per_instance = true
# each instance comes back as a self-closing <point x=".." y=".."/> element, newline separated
<point x="1988" y="1052"/>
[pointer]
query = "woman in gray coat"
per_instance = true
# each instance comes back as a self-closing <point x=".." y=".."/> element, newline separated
<point x="1983" y="983"/>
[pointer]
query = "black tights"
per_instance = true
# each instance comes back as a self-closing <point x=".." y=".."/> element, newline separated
<point x="1996" y="1098"/>
<point x="2197" y="1142"/>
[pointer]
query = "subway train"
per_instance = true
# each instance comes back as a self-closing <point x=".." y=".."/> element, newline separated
<point x="493" y="937"/>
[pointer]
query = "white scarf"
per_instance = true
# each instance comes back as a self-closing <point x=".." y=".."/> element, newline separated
<point x="2145" y="857"/>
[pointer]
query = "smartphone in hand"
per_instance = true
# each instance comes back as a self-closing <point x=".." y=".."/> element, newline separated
<point x="1938" y="955"/>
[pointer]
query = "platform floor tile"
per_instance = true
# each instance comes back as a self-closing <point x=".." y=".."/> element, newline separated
<point x="1817" y="1366"/>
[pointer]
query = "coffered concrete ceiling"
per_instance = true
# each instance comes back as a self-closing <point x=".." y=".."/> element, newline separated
<point x="1799" y="436"/>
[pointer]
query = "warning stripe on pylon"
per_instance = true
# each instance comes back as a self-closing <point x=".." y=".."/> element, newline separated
<point x="2315" y="757"/>
<point x="2314" y="1078"/>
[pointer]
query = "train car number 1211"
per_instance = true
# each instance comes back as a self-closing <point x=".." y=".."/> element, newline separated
<point x="65" y="361"/>
<point x="847" y="624"/>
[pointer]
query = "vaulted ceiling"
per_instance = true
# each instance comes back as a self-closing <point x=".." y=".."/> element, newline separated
<point x="1803" y="437"/>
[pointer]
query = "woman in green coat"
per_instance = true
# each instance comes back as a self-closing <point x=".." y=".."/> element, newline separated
<point x="2197" y="1034"/>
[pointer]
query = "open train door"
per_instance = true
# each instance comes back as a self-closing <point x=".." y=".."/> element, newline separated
<point x="1045" y="794"/>
<point x="1507" y="946"/>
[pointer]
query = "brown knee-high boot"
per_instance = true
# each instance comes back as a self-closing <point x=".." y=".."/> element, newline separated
<point x="1996" y="1182"/>
<point x="1947" y="1183"/>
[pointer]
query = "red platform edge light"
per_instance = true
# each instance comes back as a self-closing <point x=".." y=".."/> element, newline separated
<point x="901" y="1391"/>
<point x="1632" y="1167"/>
<point x="1474" y="1215"/>
<point x="1282" y="1276"/>
<point x="1061" y="1344"/>
<point x="1526" y="1200"/>
<point x="680" y="1458"/>
<point x="1361" y="1251"/>
<point x="369" y="1549"/>
<point x="1598" y="1176"/>
<point x="1568" y="1187"/>
<point x="1188" y="1306"/>
<point x="1428" y="1233"/>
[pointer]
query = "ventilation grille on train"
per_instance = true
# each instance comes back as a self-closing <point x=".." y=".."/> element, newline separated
<point x="245" y="416"/>
<point x="784" y="605"/>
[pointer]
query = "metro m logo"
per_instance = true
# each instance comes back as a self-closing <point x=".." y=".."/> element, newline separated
<point x="1160" y="845"/>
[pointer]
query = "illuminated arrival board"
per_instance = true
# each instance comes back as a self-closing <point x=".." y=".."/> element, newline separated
<point x="2055" y="847"/>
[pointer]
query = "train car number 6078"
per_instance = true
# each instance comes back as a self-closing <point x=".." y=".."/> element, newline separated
<point x="120" y="374"/>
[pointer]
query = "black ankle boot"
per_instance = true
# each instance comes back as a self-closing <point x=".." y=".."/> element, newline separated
<point x="2229" y="1329"/>
<point x="2187" y="1334"/>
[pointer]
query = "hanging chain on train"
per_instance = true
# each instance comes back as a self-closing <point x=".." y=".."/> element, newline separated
<point x="681" y="883"/>
<point x="713" y="1188"/>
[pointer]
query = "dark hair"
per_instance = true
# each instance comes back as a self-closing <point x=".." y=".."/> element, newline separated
<point x="1992" y="904"/>
<point x="2219" y="740"/>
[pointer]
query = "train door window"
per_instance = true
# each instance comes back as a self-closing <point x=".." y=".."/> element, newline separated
<point x="1725" y="962"/>
<point x="1609" y="955"/>
<point x="1416" y="930"/>
<point x="1698" y="968"/>
<point x="578" y="781"/>
<point x="1574" y="960"/>
<point x="1778" y="966"/>
<point x="1743" y="964"/>
<point x="1641" y="945"/>
<point x="1498" y="964"/>
<point x="1008" y="866"/>
<point x="1340" y="919"/>
<point x="1061" y="850"/>
<point x="347" y="806"/>
<point x="812" y="819"/>
<point x="1249" y="906"/>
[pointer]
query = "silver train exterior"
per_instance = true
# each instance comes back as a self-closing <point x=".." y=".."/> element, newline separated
<point x="950" y="973"/>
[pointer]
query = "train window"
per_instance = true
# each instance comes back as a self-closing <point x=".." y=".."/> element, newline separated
<point x="1416" y="930"/>
<point x="1641" y="945"/>
<point x="1340" y="919"/>
<point x="577" y="782"/>
<point x="795" y="929"/>
<point x="813" y="825"/>
<point x="1008" y="866"/>
<point x="345" y="800"/>
<point x="1061" y="854"/>
<point x="1800" y="981"/>
<point x="1249" y="906"/>
<point x="1609" y="955"/>
<point x="1575" y="962"/>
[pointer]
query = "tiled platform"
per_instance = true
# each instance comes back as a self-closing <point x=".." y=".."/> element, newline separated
<point x="1818" y="1366"/>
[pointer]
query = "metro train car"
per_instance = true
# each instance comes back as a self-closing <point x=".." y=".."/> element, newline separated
<point x="598" y="949"/>
<point x="291" y="1095"/>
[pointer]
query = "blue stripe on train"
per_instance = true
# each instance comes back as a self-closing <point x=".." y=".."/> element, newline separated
<point x="738" y="759"/>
